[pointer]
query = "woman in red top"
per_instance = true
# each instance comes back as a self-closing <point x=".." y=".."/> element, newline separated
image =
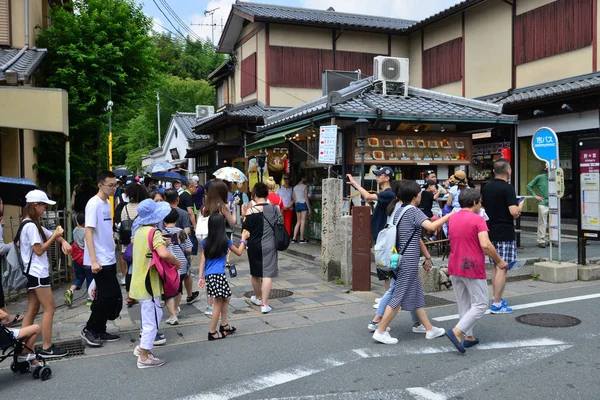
<point x="273" y="197"/>
<point x="469" y="240"/>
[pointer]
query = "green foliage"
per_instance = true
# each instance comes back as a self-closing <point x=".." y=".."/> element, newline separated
<point x="98" y="50"/>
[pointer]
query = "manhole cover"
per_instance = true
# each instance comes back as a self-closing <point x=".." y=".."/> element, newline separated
<point x="548" y="320"/>
<point x="275" y="294"/>
<point x="75" y="347"/>
<point x="434" y="301"/>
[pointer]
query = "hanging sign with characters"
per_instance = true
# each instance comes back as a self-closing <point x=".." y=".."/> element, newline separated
<point x="327" y="144"/>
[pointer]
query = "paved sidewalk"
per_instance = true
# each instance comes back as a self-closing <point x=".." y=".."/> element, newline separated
<point x="313" y="300"/>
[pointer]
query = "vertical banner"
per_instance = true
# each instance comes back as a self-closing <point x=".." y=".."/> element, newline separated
<point x="589" y="161"/>
<point x="327" y="144"/>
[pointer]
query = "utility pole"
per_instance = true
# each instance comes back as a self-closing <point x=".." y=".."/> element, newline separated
<point x="212" y="22"/>
<point x="108" y="109"/>
<point x="158" y="115"/>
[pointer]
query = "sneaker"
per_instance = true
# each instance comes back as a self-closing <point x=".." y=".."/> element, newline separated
<point x="178" y="311"/>
<point x="68" y="298"/>
<point x="435" y="333"/>
<point x="265" y="308"/>
<point x="173" y="321"/>
<point x="89" y="302"/>
<point x="294" y="241"/>
<point x="542" y="245"/>
<point x="109" y="337"/>
<point x="53" y="352"/>
<point x="193" y="297"/>
<point x="376" y="306"/>
<point x="150" y="362"/>
<point x="256" y="301"/>
<point x="159" y="339"/>
<point x="419" y="329"/>
<point x="378" y="300"/>
<point x="208" y="311"/>
<point x="374" y="325"/>
<point x="303" y="241"/>
<point x="503" y="301"/>
<point x="501" y="309"/>
<point x="384" y="338"/>
<point x="90" y="338"/>
<point x="123" y="283"/>
<point x="138" y="350"/>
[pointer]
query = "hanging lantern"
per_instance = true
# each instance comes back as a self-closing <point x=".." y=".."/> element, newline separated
<point x="505" y="152"/>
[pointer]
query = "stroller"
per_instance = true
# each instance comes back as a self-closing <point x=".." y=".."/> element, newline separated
<point x="12" y="347"/>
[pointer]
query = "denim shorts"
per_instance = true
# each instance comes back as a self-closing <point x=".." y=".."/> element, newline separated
<point x="301" y="207"/>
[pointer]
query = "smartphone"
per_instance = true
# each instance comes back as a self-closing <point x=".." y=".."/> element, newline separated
<point x="521" y="199"/>
<point x="245" y="199"/>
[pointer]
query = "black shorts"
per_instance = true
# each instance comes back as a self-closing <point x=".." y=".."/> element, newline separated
<point x="33" y="282"/>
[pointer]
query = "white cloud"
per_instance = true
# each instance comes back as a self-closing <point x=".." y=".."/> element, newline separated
<point x="158" y="25"/>
<point x="405" y="9"/>
<point x="219" y="17"/>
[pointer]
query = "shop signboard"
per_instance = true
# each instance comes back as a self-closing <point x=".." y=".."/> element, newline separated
<point x="589" y="164"/>
<point x="545" y="146"/>
<point x="327" y="144"/>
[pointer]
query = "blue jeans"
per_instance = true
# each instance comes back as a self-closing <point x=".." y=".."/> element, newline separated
<point x="81" y="274"/>
<point x="386" y="299"/>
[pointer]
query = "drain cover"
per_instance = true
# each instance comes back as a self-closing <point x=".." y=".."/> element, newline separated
<point x="275" y="294"/>
<point x="74" y="347"/>
<point x="548" y="320"/>
<point x="434" y="301"/>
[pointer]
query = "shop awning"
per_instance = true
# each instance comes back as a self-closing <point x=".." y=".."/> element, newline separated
<point x="273" y="140"/>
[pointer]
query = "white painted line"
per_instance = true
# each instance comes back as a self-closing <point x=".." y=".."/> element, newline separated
<point x="530" y="305"/>
<point x="361" y="353"/>
<point x="426" y="394"/>
<point x="520" y="343"/>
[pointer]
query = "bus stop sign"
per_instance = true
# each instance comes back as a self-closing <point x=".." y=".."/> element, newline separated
<point x="545" y="146"/>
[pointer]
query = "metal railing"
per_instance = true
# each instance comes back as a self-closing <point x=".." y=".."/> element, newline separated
<point x="57" y="260"/>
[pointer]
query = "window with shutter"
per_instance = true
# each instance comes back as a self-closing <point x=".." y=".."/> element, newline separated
<point x="4" y="22"/>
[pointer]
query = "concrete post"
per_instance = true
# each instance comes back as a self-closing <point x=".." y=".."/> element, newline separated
<point x="331" y="239"/>
<point x="361" y="248"/>
<point x="346" y="263"/>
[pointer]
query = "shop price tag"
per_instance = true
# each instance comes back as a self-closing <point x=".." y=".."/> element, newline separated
<point x="327" y="144"/>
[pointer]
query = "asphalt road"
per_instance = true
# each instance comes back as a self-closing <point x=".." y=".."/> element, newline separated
<point x="339" y="360"/>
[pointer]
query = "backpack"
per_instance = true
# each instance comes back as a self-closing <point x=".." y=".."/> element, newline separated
<point x="167" y="272"/>
<point x="77" y="253"/>
<point x="385" y="245"/>
<point x="282" y="239"/>
<point x="125" y="229"/>
<point x="15" y="277"/>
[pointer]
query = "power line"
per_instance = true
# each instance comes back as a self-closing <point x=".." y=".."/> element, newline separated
<point x="175" y="27"/>
<point x="179" y="20"/>
<point x="178" y="101"/>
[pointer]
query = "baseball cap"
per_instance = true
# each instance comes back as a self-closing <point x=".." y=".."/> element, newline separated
<point x="37" y="196"/>
<point x="460" y="176"/>
<point x="385" y="171"/>
<point x="195" y="178"/>
<point x="429" y="183"/>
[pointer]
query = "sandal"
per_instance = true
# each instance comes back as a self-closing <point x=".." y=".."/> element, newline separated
<point x="130" y="302"/>
<point x="227" y="329"/>
<point x="17" y="319"/>
<point x="215" y="336"/>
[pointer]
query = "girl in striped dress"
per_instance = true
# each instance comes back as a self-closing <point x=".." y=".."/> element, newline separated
<point x="408" y="291"/>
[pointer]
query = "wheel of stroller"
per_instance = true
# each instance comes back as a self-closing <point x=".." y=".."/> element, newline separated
<point x="45" y="373"/>
<point x="13" y="367"/>
<point x="24" y="367"/>
<point x="36" y="372"/>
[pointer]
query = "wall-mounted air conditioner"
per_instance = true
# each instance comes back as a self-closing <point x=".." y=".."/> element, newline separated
<point x="204" y="111"/>
<point x="390" y="69"/>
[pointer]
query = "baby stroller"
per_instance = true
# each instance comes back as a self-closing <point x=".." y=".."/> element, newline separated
<point x="12" y="347"/>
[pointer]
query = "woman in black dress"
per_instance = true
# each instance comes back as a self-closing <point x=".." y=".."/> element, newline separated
<point x="262" y="253"/>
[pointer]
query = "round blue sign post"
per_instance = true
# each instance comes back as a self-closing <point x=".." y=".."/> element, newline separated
<point x="545" y="147"/>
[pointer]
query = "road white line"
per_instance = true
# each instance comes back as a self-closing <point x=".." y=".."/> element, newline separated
<point x="530" y="305"/>
<point x="425" y="394"/>
<point x="361" y="353"/>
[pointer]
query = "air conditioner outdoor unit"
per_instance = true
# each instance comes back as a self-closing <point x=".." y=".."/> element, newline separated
<point x="390" y="69"/>
<point x="204" y="111"/>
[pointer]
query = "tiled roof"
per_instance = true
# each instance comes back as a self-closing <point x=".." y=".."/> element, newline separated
<point x="547" y="90"/>
<point x="23" y="62"/>
<point x="448" y="12"/>
<point x="362" y="99"/>
<point x="251" y="110"/>
<point x="320" y="17"/>
<point x="187" y="121"/>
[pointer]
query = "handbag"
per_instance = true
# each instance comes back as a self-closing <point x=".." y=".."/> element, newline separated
<point x="392" y="270"/>
<point x="280" y="234"/>
<point x="167" y="272"/>
<point x="128" y="253"/>
<point x="15" y="277"/>
<point x="202" y="228"/>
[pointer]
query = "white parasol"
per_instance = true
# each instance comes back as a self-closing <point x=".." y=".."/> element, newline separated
<point x="230" y="174"/>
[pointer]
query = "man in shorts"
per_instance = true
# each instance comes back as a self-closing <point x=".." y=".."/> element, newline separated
<point x="502" y="207"/>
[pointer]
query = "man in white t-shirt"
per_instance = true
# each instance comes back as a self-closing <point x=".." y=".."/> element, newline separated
<point x="99" y="254"/>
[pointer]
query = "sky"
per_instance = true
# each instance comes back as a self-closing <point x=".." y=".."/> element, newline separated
<point x="190" y="12"/>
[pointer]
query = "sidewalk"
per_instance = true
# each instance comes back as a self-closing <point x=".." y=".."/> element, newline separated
<point x="312" y="301"/>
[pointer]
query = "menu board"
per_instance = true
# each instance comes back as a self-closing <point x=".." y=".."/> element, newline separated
<point x="590" y="189"/>
<point x="418" y="148"/>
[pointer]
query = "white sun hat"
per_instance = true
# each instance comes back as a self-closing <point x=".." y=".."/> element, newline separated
<point x="37" y="196"/>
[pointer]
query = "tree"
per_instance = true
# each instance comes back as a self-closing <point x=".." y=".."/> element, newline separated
<point x="98" y="50"/>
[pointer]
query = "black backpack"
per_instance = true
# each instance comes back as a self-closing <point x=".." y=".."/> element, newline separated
<point x="125" y="229"/>
<point x="282" y="239"/>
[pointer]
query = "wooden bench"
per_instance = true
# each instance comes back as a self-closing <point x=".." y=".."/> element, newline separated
<point x="442" y="246"/>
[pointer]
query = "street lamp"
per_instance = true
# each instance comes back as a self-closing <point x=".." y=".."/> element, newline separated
<point x="362" y="129"/>
<point x="260" y="159"/>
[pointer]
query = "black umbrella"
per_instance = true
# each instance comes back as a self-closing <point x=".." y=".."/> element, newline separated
<point x="121" y="172"/>
<point x="168" y="176"/>
<point x="13" y="190"/>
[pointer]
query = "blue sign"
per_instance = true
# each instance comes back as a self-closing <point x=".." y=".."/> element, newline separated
<point x="545" y="146"/>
